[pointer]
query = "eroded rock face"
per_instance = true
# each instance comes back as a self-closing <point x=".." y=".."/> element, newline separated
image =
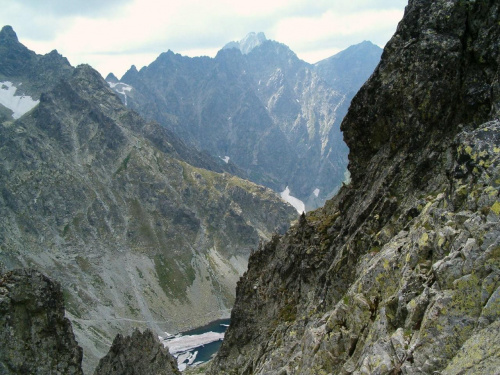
<point x="399" y="273"/>
<point x="138" y="354"/>
<point x="35" y="337"/>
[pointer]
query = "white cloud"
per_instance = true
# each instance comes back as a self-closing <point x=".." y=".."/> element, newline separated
<point x="112" y="35"/>
<point x="304" y="30"/>
<point x="309" y="35"/>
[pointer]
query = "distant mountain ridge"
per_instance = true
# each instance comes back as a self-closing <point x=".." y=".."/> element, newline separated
<point x="273" y="115"/>
<point x="350" y="68"/>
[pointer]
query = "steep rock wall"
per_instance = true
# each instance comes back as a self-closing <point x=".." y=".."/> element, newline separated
<point x="399" y="273"/>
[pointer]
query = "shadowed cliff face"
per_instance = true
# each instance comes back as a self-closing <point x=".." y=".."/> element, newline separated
<point x="437" y="74"/>
<point x="35" y="337"/>
<point x="399" y="273"/>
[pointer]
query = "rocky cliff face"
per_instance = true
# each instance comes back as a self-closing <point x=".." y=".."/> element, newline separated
<point x="138" y="354"/>
<point x="35" y="337"/>
<point x="137" y="227"/>
<point x="258" y="106"/>
<point x="399" y="273"/>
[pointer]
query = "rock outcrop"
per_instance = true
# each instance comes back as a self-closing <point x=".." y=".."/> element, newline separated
<point x="400" y="272"/>
<point x="138" y="354"/>
<point x="35" y="337"/>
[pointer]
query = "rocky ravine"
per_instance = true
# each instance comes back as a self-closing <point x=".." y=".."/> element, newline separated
<point x="400" y="272"/>
<point x="140" y="230"/>
<point x="259" y="106"/>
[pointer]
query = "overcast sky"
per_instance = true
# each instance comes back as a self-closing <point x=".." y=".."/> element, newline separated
<point x="111" y="35"/>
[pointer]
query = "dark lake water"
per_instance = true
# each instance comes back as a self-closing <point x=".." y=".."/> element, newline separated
<point x="197" y="345"/>
<point x="206" y="351"/>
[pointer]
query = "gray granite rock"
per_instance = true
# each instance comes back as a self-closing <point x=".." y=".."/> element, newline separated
<point x="35" y="337"/>
<point x="138" y="354"/>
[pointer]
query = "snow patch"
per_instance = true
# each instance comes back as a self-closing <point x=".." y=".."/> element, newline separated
<point x="316" y="192"/>
<point x="295" y="202"/>
<point x="186" y="359"/>
<point x="182" y="347"/>
<point x="17" y="104"/>
<point x="225" y="158"/>
<point x="347" y="177"/>
<point x="121" y="88"/>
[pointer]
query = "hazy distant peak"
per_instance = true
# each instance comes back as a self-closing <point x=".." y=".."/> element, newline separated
<point x="111" y="78"/>
<point x="360" y="51"/>
<point x="350" y="68"/>
<point x="248" y="43"/>
<point x="8" y="32"/>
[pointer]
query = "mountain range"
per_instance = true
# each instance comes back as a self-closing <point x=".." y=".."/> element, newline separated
<point x="257" y="105"/>
<point x="137" y="227"/>
<point x="399" y="273"/>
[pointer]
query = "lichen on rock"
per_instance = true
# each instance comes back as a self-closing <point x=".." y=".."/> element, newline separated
<point x="399" y="273"/>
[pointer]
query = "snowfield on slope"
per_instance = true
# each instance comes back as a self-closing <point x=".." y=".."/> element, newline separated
<point x="295" y="202"/>
<point x="17" y="104"/>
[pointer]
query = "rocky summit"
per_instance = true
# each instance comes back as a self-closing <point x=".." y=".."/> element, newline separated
<point x="141" y="230"/>
<point x="138" y="354"/>
<point x="400" y="272"/>
<point x="257" y="106"/>
<point x="29" y="72"/>
<point x="35" y="337"/>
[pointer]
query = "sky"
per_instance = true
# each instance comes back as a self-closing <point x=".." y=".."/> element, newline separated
<point x="112" y="35"/>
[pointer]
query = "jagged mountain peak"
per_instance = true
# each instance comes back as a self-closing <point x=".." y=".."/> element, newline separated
<point x="130" y="74"/>
<point x="54" y="55"/>
<point x="111" y="78"/>
<point x="248" y="43"/>
<point x="8" y="33"/>
<point x="13" y="55"/>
